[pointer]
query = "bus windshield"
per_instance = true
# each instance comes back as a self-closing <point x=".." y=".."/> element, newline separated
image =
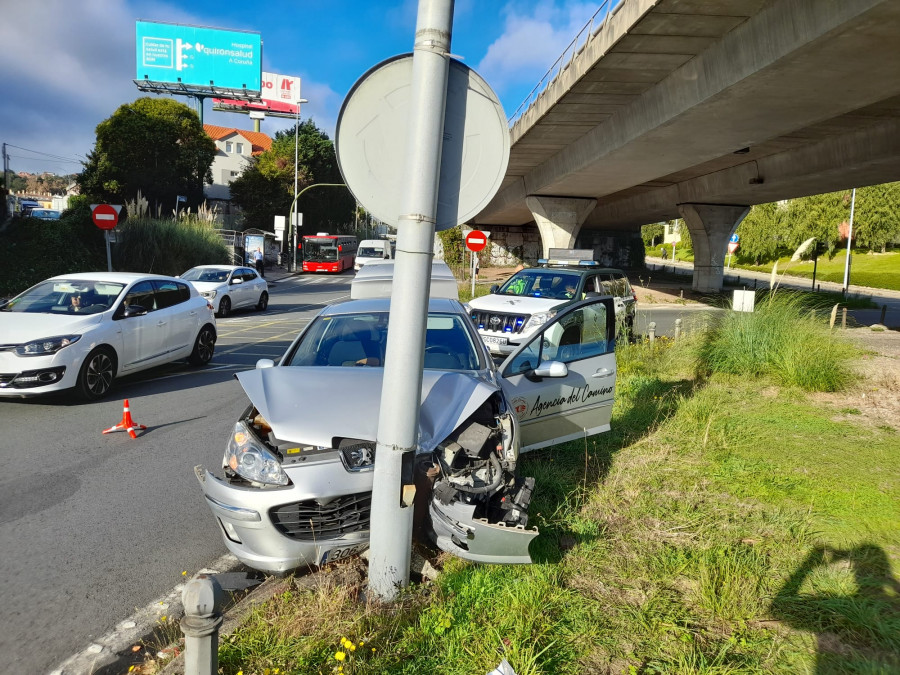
<point x="320" y="250"/>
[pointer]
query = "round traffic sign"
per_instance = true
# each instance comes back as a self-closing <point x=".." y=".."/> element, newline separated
<point x="476" y="240"/>
<point x="372" y="134"/>
<point x="734" y="238"/>
<point x="104" y="216"/>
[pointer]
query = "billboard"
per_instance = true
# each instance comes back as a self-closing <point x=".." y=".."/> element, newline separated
<point x="279" y="94"/>
<point x="207" y="58"/>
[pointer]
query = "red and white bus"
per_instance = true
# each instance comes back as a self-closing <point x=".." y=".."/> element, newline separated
<point x="328" y="252"/>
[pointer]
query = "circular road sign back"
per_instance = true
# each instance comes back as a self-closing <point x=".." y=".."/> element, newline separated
<point x="104" y="216"/>
<point x="372" y="135"/>
<point x="476" y="240"/>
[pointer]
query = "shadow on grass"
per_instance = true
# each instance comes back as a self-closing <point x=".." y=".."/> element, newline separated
<point x="851" y="600"/>
<point x="567" y="475"/>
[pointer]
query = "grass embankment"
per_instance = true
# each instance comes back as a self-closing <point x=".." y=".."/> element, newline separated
<point x="867" y="268"/>
<point x="873" y="270"/>
<point x="730" y="523"/>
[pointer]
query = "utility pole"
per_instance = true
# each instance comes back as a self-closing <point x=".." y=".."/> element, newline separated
<point x="393" y="490"/>
<point x="294" y="224"/>
<point x="849" y="241"/>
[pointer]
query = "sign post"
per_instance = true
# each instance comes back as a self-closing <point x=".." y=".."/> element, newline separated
<point x="732" y="247"/>
<point x="476" y="240"/>
<point x="106" y="217"/>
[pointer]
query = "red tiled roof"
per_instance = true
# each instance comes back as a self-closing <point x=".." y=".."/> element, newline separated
<point x="258" y="140"/>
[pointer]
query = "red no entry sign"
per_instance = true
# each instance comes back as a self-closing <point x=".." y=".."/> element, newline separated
<point x="105" y="216"/>
<point x="476" y="240"/>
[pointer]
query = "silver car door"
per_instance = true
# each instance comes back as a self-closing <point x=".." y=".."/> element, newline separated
<point x="562" y="382"/>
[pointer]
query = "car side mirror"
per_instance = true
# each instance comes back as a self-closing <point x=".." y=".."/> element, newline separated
<point x="133" y="310"/>
<point x="265" y="363"/>
<point x="551" y="369"/>
<point x="237" y="280"/>
<point x="495" y="288"/>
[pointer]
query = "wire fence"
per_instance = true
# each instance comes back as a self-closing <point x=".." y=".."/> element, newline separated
<point x="593" y="27"/>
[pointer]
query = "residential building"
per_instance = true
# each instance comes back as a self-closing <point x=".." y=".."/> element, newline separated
<point x="234" y="148"/>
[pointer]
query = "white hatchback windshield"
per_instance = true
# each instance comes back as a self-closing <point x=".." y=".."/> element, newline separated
<point x="350" y="340"/>
<point x="62" y="296"/>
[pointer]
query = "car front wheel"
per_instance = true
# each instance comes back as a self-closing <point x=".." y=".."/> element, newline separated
<point x="204" y="346"/>
<point x="96" y="374"/>
<point x="224" y="307"/>
<point x="263" y="301"/>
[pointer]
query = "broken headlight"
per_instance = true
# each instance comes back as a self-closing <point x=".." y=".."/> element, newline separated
<point x="250" y="459"/>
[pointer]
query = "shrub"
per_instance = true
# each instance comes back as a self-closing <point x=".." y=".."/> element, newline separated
<point x="782" y="339"/>
<point x="167" y="246"/>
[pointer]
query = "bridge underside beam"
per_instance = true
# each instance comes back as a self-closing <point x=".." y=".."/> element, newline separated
<point x="559" y="219"/>
<point x="710" y="225"/>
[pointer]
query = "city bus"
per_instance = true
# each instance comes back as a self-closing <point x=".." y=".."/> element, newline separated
<point x="325" y="252"/>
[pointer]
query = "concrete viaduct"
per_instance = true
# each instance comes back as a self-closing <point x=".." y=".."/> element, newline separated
<point x="699" y="109"/>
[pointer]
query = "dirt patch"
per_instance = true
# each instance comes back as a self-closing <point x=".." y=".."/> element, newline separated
<point x="875" y="399"/>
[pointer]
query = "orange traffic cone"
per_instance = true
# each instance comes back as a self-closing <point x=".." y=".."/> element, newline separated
<point x="127" y="424"/>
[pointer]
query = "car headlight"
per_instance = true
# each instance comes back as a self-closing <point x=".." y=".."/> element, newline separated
<point x="209" y="294"/>
<point x="539" y="319"/>
<point x="250" y="459"/>
<point x="49" y="345"/>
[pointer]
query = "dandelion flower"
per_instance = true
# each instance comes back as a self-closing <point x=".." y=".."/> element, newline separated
<point x="340" y="656"/>
<point x="184" y="573"/>
<point x="351" y="647"/>
<point x="162" y="618"/>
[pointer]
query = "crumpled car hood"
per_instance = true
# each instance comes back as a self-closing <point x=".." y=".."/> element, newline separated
<point x="312" y="405"/>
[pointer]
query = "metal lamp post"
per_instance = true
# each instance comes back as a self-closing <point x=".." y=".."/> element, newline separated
<point x="296" y="168"/>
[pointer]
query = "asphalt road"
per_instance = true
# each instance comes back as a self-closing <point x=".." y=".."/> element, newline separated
<point x="94" y="526"/>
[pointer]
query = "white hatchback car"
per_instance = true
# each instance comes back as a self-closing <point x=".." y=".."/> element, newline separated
<point x="82" y="330"/>
<point x="229" y="287"/>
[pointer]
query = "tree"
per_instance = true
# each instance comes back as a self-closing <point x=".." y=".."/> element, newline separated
<point x="155" y="145"/>
<point x="818" y="216"/>
<point x="759" y="233"/>
<point x="876" y="220"/>
<point x="266" y="187"/>
<point x="650" y="233"/>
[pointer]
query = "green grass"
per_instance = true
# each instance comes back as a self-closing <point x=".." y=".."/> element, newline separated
<point x="729" y="523"/>
<point x="874" y="270"/>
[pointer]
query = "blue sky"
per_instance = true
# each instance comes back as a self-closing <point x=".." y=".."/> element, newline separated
<point x="67" y="66"/>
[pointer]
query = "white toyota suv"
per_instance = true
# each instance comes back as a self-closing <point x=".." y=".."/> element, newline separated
<point x="515" y="311"/>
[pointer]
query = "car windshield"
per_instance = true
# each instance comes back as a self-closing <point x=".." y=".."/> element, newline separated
<point x="213" y="274"/>
<point x="46" y="214"/>
<point x="369" y="252"/>
<point x="66" y="296"/>
<point x="360" y="339"/>
<point x="542" y="283"/>
<point x="320" y="250"/>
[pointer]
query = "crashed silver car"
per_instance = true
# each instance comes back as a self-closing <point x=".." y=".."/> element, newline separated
<point x="298" y="466"/>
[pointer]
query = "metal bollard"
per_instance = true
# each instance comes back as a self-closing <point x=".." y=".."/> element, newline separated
<point x="651" y="331"/>
<point x="843" y="318"/>
<point x="883" y="312"/>
<point x="677" y="328"/>
<point x="203" y="600"/>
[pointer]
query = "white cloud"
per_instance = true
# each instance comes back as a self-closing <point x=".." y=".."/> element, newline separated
<point x="534" y="36"/>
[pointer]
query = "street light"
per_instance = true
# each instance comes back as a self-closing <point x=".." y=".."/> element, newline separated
<point x="296" y="168"/>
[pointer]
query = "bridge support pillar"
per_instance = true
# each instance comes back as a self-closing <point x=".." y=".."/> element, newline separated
<point x="559" y="219"/>
<point x="711" y="226"/>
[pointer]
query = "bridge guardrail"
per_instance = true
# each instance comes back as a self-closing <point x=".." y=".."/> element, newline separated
<point x="607" y="8"/>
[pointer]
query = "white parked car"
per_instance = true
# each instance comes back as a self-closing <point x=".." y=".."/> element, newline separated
<point x="83" y="330"/>
<point x="229" y="287"/>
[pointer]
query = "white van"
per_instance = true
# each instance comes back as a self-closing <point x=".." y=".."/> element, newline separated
<point x="372" y="249"/>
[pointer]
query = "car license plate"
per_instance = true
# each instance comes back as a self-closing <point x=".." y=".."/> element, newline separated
<point x="341" y="553"/>
<point x="491" y="340"/>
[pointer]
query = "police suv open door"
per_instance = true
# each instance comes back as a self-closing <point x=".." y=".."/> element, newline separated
<point x="562" y="382"/>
